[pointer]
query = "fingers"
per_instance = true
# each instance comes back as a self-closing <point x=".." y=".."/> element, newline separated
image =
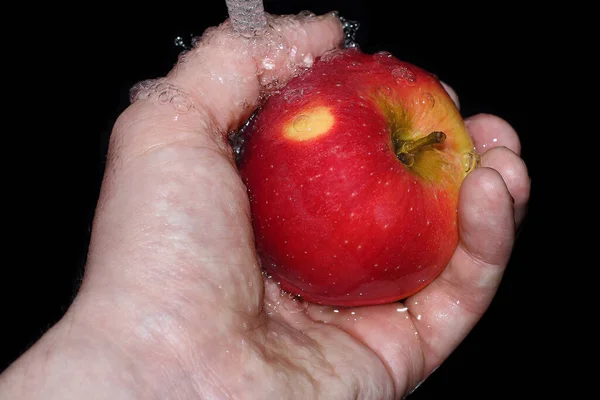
<point x="490" y="131"/>
<point x="446" y="310"/>
<point x="500" y="147"/>
<point x="173" y="217"/>
<point x="513" y="170"/>
<point x="226" y="72"/>
<point x="452" y="93"/>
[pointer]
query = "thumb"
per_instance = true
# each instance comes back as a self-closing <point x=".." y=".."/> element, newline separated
<point x="173" y="220"/>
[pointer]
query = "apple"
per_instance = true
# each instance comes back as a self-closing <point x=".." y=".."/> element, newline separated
<point x="353" y="172"/>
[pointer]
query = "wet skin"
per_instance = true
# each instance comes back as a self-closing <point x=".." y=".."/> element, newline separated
<point x="173" y="303"/>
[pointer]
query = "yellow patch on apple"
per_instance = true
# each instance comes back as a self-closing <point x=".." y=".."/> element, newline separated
<point x="309" y="124"/>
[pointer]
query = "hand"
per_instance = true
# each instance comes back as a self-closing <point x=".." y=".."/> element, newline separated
<point x="173" y="303"/>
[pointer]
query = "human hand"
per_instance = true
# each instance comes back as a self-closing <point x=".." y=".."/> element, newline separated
<point x="173" y="303"/>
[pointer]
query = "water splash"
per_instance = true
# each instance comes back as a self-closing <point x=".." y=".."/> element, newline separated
<point x="404" y="74"/>
<point x="164" y="92"/>
<point x="248" y="17"/>
<point x="350" y="30"/>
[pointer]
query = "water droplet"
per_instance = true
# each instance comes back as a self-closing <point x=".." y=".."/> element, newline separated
<point x="426" y="100"/>
<point x="382" y="55"/>
<point x="302" y="123"/>
<point x="331" y="55"/>
<point x="307" y="14"/>
<point x="403" y="74"/>
<point x="180" y="43"/>
<point x="471" y="160"/>
<point x="350" y="30"/>
<point x="181" y="103"/>
<point x="164" y="96"/>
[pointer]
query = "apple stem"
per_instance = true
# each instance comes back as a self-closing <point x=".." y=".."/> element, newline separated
<point x="406" y="149"/>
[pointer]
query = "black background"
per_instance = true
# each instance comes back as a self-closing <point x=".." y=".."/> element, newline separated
<point x="89" y="56"/>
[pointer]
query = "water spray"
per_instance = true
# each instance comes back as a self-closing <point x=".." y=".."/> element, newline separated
<point x="247" y="17"/>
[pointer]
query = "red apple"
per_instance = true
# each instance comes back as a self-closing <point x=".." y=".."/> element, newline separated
<point x="353" y="172"/>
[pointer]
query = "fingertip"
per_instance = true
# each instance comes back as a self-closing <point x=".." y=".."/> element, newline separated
<point x="515" y="174"/>
<point x="486" y="216"/>
<point x="490" y="131"/>
<point x="452" y="93"/>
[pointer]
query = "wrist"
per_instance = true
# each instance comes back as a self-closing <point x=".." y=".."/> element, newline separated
<point x="70" y="362"/>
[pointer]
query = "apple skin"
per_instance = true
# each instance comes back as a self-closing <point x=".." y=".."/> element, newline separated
<point x="338" y="218"/>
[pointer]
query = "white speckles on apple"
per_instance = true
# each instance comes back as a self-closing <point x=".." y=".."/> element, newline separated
<point x="411" y="209"/>
<point x="428" y="222"/>
<point x="354" y="194"/>
<point x="345" y="242"/>
<point x="359" y="247"/>
<point x="338" y="84"/>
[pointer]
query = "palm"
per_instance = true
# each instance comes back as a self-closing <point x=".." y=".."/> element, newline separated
<point x="265" y="335"/>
